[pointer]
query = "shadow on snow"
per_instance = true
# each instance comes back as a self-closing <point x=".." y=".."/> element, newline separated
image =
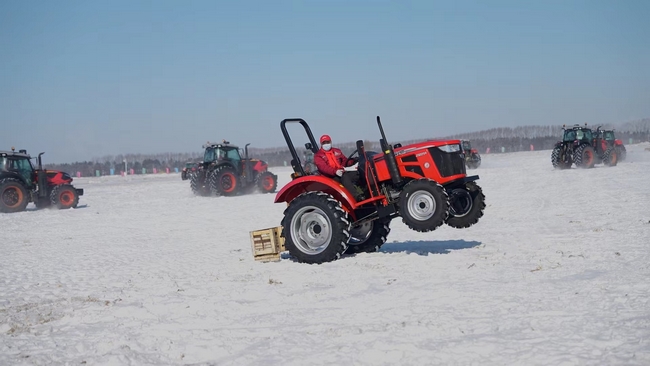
<point x="426" y="247"/>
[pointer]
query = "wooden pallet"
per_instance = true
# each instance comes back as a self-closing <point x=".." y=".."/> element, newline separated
<point x="267" y="244"/>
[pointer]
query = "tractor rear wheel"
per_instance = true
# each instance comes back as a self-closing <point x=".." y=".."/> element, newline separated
<point x="224" y="181"/>
<point x="198" y="187"/>
<point x="610" y="157"/>
<point x="557" y="161"/>
<point x="316" y="228"/>
<point x="466" y="206"/>
<point x="13" y="196"/>
<point x="267" y="182"/>
<point x="64" y="196"/>
<point x="584" y="156"/>
<point x="368" y="237"/>
<point x="424" y="205"/>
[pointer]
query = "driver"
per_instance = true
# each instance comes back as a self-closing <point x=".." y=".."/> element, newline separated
<point x="331" y="162"/>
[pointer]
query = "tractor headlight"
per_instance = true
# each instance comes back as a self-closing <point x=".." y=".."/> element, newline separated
<point x="449" y="148"/>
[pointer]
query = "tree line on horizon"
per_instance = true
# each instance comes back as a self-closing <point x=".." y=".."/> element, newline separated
<point x="507" y="139"/>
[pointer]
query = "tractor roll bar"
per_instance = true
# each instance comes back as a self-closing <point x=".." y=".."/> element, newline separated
<point x="292" y="149"/>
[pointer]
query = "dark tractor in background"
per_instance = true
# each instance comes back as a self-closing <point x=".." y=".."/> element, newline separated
<point x="424" y="183"/>
<point x="223" y="172"/>
<point x="188" y="170"/>
<point x="472" y="157"/>
<point x="21" y="183"/>
<point x="582" y="147"/>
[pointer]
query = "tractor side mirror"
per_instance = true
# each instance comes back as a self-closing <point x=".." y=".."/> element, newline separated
<point x="308" y="146"/>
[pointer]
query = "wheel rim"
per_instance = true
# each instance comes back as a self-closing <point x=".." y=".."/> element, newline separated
<point x="460" y="202"/>
<point x="359" y="234"/>
<point x="311" y="230"/>
<point x="66" y="198"/>
<point x="589" y="157"/>
<point x="421" y="205"/>
<point x="268" y="182"/>
<point x="11" y="197"/>
<point x="228" y="182"/>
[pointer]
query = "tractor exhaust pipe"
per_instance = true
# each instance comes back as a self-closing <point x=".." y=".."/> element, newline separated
<point x="389" y="155"/>
<point x="41" y="178"/>
<point x="247" y="167"/>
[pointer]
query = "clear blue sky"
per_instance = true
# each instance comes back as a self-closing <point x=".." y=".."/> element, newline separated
<point x="83" y="79"/>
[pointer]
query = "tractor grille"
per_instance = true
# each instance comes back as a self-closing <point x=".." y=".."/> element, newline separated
<point x="448" y="163"/>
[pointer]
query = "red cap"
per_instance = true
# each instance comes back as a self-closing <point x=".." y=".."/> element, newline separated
<point x="325" y="138"/>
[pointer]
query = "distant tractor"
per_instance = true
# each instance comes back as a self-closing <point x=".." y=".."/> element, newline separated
<point x="580" y="146"/>
<point x="472" y="157"/>
<point x="223" y="172"/>
<point x="610" y="138"/>
<point x="188" y="170"/>
<point x="21" y="183"/>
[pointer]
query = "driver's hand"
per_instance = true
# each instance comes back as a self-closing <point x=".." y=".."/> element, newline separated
<point x="340" y="172"/>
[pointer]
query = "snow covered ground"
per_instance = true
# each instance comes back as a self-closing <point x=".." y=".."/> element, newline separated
<point x="557" y="272"/>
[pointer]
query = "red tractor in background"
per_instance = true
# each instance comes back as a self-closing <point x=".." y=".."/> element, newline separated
<point x="472" y="157"/>
<point x="223" y="172"/>
<point x="21" y="183"/>
<point x="610" y="138"/>
<point x="424" y="183"/>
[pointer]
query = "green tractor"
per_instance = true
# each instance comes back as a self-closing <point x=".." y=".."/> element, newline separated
<point x="21" y="183"/>
<point x="223" y="172"/>
<point x="582" y="147"/>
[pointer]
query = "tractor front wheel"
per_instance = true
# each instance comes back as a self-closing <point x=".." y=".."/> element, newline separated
<point x="64" y="197"/>
<point x="368" y="237"/>
<point x="267" y="182"/>
<point x="224" y="181"/>
<point x="316" y="228"/>
<point x="424" y="205"/>
<point x="610" y="157"/>
<point x="466" y="206"/>
<point x="197" y="184"/>
<point x="557" y="161"/>
<point x="13" y="196"/>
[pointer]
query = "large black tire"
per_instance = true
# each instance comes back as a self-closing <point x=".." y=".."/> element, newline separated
<point x="224" y="181"/>
<point x="584" y="156"/>
<point x="466" y="206"/>
<point x="557" y="161"/>
<point x="267" y="182"/>
<point x="64" y="196"/>
<point x="368" y="237"/>
<point x="316" y="228"/>
<point x="198" y="186"/>
<point x="424" y="205"/>
<point x="610" y="157"/>
<point x="14" y="197"/>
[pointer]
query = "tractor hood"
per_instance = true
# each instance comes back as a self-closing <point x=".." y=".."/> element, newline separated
<point x="56" y="177"/>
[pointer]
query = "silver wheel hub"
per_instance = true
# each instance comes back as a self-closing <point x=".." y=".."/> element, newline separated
<point x="311" y="230"/>
<point x="421" y="205"/>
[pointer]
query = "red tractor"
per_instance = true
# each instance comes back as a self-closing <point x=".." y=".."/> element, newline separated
<point x="223" y="172"/>
<point x="21" y="183"/>
<point x="610" y="139"/>
<point x="424" y="183"/>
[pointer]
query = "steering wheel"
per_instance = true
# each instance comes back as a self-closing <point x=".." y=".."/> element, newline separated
<point x="356" y="160"/>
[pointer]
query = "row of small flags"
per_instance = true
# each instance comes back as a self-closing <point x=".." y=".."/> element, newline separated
<point x="98" y="173"/>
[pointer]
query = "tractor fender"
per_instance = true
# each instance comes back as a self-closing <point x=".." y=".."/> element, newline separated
<point x="618" y="142"/>
<point x="316" y="183"/>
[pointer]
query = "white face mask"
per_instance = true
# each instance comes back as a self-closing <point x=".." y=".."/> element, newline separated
<point x="327" y="147"/>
